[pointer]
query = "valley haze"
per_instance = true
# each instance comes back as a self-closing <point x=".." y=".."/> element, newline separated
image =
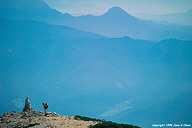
<point x="114" y="66"/>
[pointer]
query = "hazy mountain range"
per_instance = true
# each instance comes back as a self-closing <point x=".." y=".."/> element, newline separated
<point x="114" y="23"/>
<point x="79" y="72"/>
<point x="177" y="18"/>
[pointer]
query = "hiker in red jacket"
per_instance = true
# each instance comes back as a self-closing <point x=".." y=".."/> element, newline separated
<point x="45" y="106"/>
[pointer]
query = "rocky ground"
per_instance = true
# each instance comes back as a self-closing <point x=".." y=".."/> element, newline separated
<point x="37" y="119"/>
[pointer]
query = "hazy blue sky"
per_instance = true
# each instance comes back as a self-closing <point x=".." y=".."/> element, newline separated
<point x="98" y="7"/>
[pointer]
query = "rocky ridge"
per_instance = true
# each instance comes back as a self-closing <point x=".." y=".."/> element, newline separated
<point x="37" y="119"/>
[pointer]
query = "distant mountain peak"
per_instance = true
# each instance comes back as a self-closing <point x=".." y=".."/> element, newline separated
<point x="116" y="8"/>
<point x="116" y="11"/>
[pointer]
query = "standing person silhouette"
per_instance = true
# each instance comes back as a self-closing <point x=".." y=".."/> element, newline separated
<point x="45" y="106"/>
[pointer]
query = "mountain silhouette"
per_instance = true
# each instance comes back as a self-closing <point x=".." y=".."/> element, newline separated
<point x="184" y="18"/>
<point x="116" y="12"/>
<point x="114" y="23"/>
<point x="29" y="9"/>
<point x="118" y="23"/>
<point x="29" y="27"/>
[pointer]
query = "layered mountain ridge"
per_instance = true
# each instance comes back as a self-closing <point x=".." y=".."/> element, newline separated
<point x="114" y="23"/>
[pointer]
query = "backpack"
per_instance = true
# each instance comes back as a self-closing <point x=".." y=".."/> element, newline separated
<point x="46" y="105"/>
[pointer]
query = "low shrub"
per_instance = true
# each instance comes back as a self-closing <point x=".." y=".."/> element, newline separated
<point x="104" y="124"/>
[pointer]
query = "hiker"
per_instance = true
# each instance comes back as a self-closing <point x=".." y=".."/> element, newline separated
<point x="45" y="106"/>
